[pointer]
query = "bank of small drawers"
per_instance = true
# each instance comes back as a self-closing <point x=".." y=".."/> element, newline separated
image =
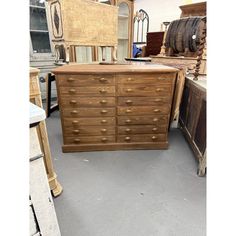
<point x="113" y="109"/>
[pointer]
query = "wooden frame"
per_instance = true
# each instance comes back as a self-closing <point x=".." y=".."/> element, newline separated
<point x="35" y="97"/>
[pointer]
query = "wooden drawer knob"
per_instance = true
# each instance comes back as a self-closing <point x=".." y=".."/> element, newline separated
<point x="74" y="112"/>
<point x="70" y="79"/>
<point x="128" y="111"/>
<point x="76" y="131"/>
<point x="127" y="130"/>
<point x="103" y="111"/>
<point x="103" y="121"/>
<point x="102" y="91"/>
<point x="127" y="139"/>
<point x="129" y="90"/>
<point x="77" y="140"/>
<point x="158" y="100"/>
<point x="154" y="129"/>
<point x="128" y="121"/>
<point x="104" y="139"/>
<point x="73" y="102"/>
<point x="158" y="89"/>
<point x="128" y="102"/>
<point x="103" y="80"/>
<point x="72" y="91"/>
<point x="103" y="102"/>
<point x="156" y="110"/>
<point x="129" y="79"/>
<point x="103" y="130"/>
<point x="155" y="119"/>
<point x="154" y="138"/>
<point x="75" y="122"/>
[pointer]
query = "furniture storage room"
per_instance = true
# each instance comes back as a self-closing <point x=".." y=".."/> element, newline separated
<point x="118" y="99"/>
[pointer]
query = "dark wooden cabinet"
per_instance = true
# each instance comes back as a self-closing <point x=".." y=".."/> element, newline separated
<point x="154" y="43"/>
<point x="193" y="120"/>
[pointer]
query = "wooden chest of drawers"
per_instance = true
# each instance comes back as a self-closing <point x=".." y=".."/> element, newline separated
<point x="110" y="107"/>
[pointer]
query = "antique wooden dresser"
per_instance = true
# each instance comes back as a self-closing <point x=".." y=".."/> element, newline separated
<point x="110" y="107"/>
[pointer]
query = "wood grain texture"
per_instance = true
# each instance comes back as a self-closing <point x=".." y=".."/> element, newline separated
<point x="118" y="119"/>
<point x="193" y="120"/>
<point x="79" y="24"/>
<point x="130" y="68"/>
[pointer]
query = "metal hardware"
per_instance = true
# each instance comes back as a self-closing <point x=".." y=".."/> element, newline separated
<point x="70" y="79"/>
<point x="103" y="111"/>
<point x="102" y="91"/>
<point x="102" y="80"/>
<point x="129" y="90"/>
<point x="76" y="131"/>
<point x="72" y="91"/>
<point x="77" y="140"/>
<point x="129" y="102"/>
<point x="104" y="139"/>
<point x="73" y="102"/>
<point x="158" y="99"/>
<point x="74" y="112"/>
<point x="103" y="101"/>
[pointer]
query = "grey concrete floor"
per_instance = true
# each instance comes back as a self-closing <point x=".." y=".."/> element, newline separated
<point x="128" y="193"/>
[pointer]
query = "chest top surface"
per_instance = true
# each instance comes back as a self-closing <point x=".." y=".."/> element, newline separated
<point x="113" y="69"/>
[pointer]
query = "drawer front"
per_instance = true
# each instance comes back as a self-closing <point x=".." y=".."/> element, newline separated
<point x="88" y="91"/>
<point x="78" y="122"/>
<point x="143" y="110"/>
<point x="81" y="80"/>
<point x="146" y="78"/>
<point x="77" y="101"/>
<point x="139" y="101"/>
<point x="89" y="130"/>
<point x="89" y="139"/>
<point x="143" y="120"/>
<point x="83" y="112"/>
<point x="144" y="90"/>
<point x="142" y="129"/>
<point x="142" y="138"/>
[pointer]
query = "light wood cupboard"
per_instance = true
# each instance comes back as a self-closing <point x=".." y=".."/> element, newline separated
<point x="116" y="107"/>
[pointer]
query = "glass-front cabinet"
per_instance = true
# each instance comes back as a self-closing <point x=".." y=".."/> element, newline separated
<point x="40" y="43"/>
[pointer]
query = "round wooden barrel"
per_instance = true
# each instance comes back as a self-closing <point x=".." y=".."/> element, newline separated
<point x="179" y="37"/>
<point x="183" y="35"/>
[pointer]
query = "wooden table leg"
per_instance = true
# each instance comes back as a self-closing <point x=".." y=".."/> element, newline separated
<point x="202" y="165"/>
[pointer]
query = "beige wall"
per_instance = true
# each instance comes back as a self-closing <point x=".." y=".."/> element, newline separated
<point x="161" y="10"/>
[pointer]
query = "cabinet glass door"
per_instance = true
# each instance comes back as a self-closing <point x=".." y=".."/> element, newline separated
<point x="123" y="31"/>
<point x="38" y="28"/>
